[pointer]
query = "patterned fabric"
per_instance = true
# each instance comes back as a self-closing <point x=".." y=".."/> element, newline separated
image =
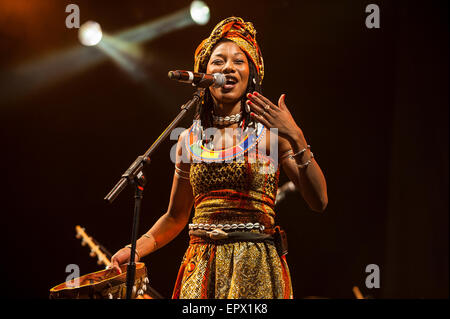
<point x="233" y="193"/>
<point x="240" y="270"/>
<point x="240" y="32"/>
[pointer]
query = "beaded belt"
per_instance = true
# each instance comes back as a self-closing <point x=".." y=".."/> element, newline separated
<point x="248" y="226"/>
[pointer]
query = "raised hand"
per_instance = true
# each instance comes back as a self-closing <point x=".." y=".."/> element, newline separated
<point x="271" y="115"/>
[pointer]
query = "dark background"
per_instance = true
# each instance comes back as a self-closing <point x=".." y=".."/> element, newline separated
<point x="373" y="104"/>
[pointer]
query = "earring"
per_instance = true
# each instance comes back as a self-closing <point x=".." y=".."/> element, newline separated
<point x="254" y="81"/>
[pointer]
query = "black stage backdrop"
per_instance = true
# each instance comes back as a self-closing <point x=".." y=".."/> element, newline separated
<point x="373" y="104"/>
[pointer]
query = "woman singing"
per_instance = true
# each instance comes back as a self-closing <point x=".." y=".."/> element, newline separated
<point x="235" y="249"/>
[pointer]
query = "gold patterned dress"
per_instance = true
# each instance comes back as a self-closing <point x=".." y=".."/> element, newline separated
<point x="227" y="193"/>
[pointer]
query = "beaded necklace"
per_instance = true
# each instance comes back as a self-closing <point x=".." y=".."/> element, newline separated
<point x="200" y="152"/>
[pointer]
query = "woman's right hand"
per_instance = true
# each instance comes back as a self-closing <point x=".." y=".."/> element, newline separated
<point x="121" y="257"/>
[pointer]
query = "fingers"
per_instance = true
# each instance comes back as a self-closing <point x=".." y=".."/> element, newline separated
<point x="281" y="101"/>
<point x="116" y="261"/>
<point x="115" y="265"/>
<point x="263" y="101"/>
<point x="260" y="119"/>
<point x="260" y="109"/>
<point x="255" y="108"/>
<point x="258" y="106"/>
<point x="264" y="110"/>
<point x="261" y="106"/>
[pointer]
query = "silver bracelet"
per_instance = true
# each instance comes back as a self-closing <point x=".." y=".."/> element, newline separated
<point x="180" y="170"/>
<point x="307" y="162"/>
<point x="155" y="245"/>
<point x="135" y="251"/>
<point x="300" y="152"/>
<point x="180" y="176"/>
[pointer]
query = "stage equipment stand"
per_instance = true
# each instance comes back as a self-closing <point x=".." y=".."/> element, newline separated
<point x="135" y="175"/>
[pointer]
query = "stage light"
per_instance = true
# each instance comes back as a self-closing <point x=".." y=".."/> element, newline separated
<point x="199" y="12"/>
<point x="122" y="47"/>
<point x="90" y="33"/>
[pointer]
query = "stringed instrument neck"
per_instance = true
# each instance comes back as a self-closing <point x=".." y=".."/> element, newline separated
<point x="95" y="248"/>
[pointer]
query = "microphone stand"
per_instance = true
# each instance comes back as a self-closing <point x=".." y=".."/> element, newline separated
<point x="135" y="175"/>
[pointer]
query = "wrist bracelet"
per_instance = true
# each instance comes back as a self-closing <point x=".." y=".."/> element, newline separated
<point x="300" y="152"/>
<point x="136" y="251"/>
<point x="307" y="162"/>
<point x="180" y="170"/>
<point x="181" y="176"/>
<point x="155" y="245"/>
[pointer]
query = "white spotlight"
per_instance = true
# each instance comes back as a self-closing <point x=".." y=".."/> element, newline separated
<point x="199" y="12"/>
<point x="90" y="33"/>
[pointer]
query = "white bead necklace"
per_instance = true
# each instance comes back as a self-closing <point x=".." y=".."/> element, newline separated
<point x="229" y="119"/>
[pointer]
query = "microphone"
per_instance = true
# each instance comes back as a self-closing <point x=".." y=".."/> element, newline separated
<point x="202" y="80"/>
<point x="283" y="190"/>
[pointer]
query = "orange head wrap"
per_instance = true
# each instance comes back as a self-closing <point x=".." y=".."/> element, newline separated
<point x="240" y="32"/>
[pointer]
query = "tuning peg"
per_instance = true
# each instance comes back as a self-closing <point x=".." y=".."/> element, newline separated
<point x="78" y="236"/>
<point x="83" y="243"/>
<point x="99" y="262"/>
<point x="92" y="253"/>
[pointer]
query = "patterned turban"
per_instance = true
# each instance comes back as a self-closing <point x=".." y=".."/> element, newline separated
<point x="240" y="32"/>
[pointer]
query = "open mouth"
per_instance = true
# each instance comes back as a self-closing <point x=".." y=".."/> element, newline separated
<point x="230" y="82"/>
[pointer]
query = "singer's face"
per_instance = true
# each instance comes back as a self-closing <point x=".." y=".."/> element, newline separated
<point x="229" y="59"/>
